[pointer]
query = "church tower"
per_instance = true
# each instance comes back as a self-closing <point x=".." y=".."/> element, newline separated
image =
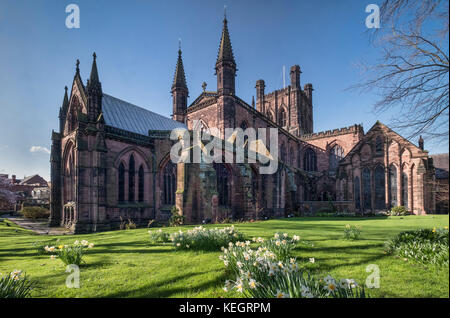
<point x="180" y="91"/>
<point x="225" y="64"/>
<point x="94" y="93"/>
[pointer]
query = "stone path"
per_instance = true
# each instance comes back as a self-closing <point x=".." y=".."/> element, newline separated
<point x="38" y="226"/>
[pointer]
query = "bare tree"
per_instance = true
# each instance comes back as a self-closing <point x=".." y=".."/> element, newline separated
<point x="412" y="75"/>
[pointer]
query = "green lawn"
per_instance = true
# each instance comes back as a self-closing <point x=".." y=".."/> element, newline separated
<point x="125" y="264"/>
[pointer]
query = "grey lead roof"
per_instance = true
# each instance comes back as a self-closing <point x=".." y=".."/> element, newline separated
<point x="123" y="115"/>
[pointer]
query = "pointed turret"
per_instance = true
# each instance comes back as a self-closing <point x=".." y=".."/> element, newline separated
<point x="94" y="92"/>
<point x="179" y="91"/>
<point x="421" y="146"/>
<point x="225" y="64"/>
<point x="63" y="111"/>
<point x="225" y="48"/>
<point x="94" y="71"/>
<point x="179" y="79"/>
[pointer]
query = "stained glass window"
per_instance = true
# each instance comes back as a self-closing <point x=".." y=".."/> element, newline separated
<point x="121" y="183"/>
<point x="393" y="185"/>
<point x="336" y="154"/>
<point x="405" y="190"/>
<point x="141" y="184"/>
<point x="309" y="160"/>
<point x="169" y="183"/>
<point x="131" y="178"/>
<point x="367" y="189"/>
<point x="380" y="200"/>
<point x="223" y="184"/>
<point x="357" y="194"/>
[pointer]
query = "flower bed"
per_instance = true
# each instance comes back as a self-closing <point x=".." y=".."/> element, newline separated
<point x="261" y="273"/>
<point x="70" y="254"/>
<point x="201" y="238"/>
<point x="424" y="246"/>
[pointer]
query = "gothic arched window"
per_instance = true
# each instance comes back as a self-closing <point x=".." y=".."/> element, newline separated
<point x="282" y="119"/>
<point x="336" y="154"/>
<point x="169" y="183"/>
<point x="309" y="160"/>
<point x="380" y="201"/>
<point x="141" y="184"/>
<point x="367" y="189"/>
<point x="121" y="182"/>
<point x="223" y="184"/>
<point x="357" y="194"/>
<point x="378" y="144"/>
<point x="269" y="115"/>
<point x="405" y="190"/>
<point x="393" y="185"/>
<point x="131" y="180"/>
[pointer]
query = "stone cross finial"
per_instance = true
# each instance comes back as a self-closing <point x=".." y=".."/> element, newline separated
<point x="204" y="86"/>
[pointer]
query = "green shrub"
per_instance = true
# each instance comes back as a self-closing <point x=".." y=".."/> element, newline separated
<point x="260" y="274"/>
<point x="200" y="238"/>
<point x="70" y="254"/>
<point x="399" y="211"/>
<point x="159" y="236"/>
<point x="352" y="232"/>
<point x="35" y="212"/>
<point x="176" y="219"/>
<point x="14" y="285"/>
<point x="423" y="246"/>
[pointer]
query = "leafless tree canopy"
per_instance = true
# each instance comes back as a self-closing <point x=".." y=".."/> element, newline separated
<point x="412" y="74"/>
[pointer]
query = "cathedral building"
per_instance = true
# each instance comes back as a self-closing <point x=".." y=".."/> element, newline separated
<point x="110" y="160"/>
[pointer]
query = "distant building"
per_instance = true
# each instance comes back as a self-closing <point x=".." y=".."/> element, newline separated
<point x="13" y="191"/>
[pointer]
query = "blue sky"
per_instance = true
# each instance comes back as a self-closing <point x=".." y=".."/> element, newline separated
<point x="136" y="43"/>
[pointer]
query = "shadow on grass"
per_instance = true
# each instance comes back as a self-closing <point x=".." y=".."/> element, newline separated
<point x="152" y="290"/>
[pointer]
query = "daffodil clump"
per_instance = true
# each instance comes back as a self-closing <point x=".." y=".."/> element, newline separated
<point x="159" y="236"/>
<point x="206" y="239"/>
<point x="15" y="285"/>
<point x="352" y="232"/>
<point x="70" y="254"/>
<point x="262" y="274"/>
<point x="423" y="246"/>
<point x="281" y="244"/>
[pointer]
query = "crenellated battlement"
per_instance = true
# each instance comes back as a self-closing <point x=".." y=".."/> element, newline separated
<point x="335" y="132"/>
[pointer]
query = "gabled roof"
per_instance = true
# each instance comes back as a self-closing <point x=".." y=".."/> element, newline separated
<point x="34" y="179"/>
<point x="123" y="115"/>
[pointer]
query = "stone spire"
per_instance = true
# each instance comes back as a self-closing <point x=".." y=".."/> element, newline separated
<point x="179" y="79"/>
<point x="421" y="143"/>
<point x="63" y="111"/>
<point x="94" y="71"/>
<point x="225" y="50"/>
<point x="179" y="91"/>
<point x="225" y="64"/>
<point x="94" y="92"/>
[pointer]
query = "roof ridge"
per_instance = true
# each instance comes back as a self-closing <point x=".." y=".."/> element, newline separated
<point x="140" y="107"/>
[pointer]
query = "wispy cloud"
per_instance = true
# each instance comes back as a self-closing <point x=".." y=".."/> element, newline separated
<point x="39" y="149"/>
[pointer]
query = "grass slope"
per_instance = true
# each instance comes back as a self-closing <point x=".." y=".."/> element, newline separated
<point x="125" y="264"/>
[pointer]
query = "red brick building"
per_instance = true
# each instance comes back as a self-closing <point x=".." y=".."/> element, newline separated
<point x="111" y="159"/>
